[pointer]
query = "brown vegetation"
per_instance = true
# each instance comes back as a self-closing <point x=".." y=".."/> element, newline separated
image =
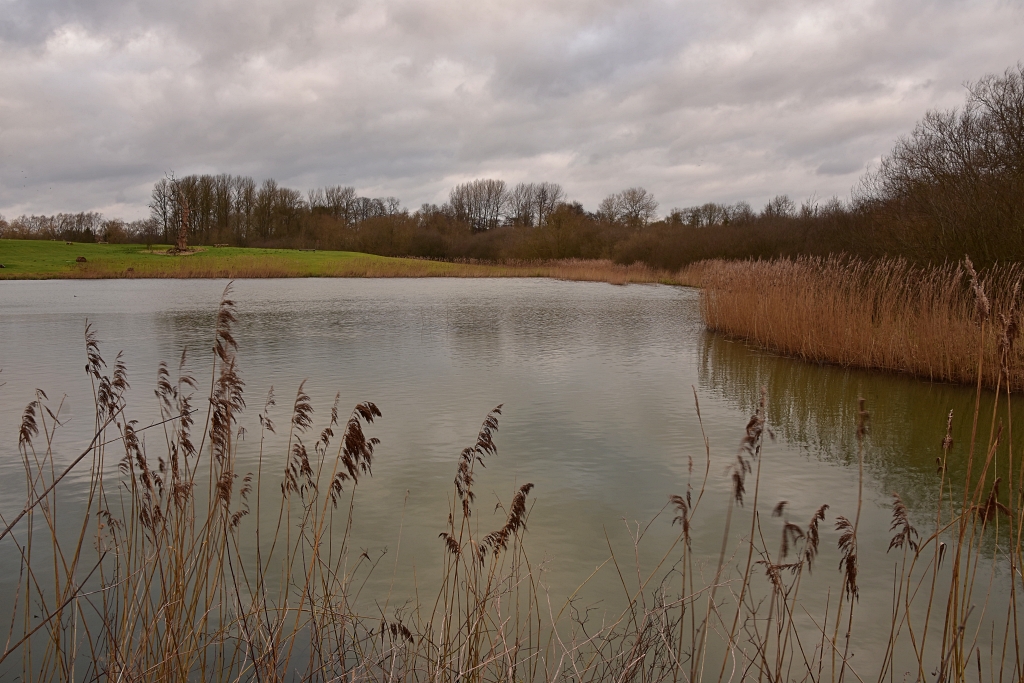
<point x="885" y="314"/>
<point x="262" y="266"/>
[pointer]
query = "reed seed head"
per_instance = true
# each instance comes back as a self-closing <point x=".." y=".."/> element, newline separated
<point x="905" y="534"/>
<point x="982" y="307"/>
<point x="848" y="549"/>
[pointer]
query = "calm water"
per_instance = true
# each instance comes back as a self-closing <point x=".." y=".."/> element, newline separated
<point x="596" y="382"/>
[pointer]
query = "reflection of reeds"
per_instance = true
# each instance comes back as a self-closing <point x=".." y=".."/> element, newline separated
<point x="168" y="577"/>
<point x="885" y="314"/>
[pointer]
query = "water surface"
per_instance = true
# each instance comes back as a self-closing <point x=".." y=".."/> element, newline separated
<point x="597" y="386"/>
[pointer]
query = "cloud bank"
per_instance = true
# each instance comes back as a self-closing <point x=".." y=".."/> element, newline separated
<point x="696" y="101"/>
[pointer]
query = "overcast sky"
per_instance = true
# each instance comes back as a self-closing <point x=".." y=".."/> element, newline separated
<point x="696" y="101"/>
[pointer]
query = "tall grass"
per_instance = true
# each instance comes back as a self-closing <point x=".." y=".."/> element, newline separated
<point x="885" y="314"/>
<point x="181" y="566"/>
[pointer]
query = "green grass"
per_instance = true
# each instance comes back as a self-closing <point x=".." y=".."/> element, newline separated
<point x="38" y="259"/>
<point x="43" y="260"/>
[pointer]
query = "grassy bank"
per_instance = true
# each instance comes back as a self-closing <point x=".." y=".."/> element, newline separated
<point x="37" y="259"/>
<point x="884" y="314"/>
<point x="154" y="583"/>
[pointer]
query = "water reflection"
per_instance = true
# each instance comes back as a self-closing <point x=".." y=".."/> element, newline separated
<point x="815" y="408"/>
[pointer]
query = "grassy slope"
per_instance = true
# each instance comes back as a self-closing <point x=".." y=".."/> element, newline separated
<point x="38" y="259"/>
<point x="23" y="259"/>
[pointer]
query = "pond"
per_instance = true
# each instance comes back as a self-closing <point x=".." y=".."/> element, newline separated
<point x="597" y="385"/>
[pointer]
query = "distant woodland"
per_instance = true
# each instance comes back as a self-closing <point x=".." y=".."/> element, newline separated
<point x="952" y="186"/>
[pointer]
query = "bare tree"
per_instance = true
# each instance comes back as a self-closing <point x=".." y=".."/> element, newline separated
<point x="340" y="202"/>
<point x="530" y="204"/>
<point x="702" y="216"/>
<point x="263" y="209"/>
<point x="182" y="242"/>
<point x="169" y="206"/>
<point x="547" y="197"/>
<point x="315" y="199"/>
<point x="481" y="203"/>
<point x="959" y="176"/>
<point x="244" y="194"/>
<point x="392" y="206"/>
<point x="366" y="208"/>
<point x="741" y="212"/>
<point x="146" y="230"/>
<point x="609" y="208"/>
<point x="780" y="206"/>
<point x="161" y="206"/>
<point x="522" y="205"/>
<point x="636" y="207"/>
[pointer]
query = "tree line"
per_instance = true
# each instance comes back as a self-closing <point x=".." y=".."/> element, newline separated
<point x="236" y="210"/>
<point x="85" y="226"/>
<point x="954" y="185"/>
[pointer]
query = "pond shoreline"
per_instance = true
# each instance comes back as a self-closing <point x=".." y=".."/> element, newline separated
<point x="881" y="315"/>
<point x="38" y="260"/>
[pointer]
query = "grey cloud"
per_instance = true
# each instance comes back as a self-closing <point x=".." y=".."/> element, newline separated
<point x="839" y="167"/>
<point x="696" y="101"/>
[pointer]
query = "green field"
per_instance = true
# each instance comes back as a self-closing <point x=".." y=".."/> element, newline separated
<point x="38" y="259"/>
<point x="44" y="260"/>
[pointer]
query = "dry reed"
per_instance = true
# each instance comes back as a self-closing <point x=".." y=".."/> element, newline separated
<point x="886" y="314"/>
<point x="284" y="266"/>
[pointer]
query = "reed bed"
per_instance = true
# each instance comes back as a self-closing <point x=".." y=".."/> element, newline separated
<point x="151" y="581"/>
<point x="256" y="267"/>
<point x="886" y="314"/>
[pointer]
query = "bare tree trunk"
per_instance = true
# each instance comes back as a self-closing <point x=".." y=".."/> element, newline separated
<point x="183" y="230"/>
